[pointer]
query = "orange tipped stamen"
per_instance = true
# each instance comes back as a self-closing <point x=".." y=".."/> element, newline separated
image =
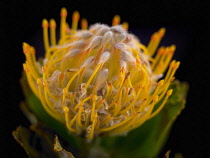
<point x="45" y="23"/>
<point x="52" y="24"/>
<point x="75" y="19"/>
<point x="63" y="12"/>
<point x="116" y="20"/>
<point x="161" y="32"/>
<point x="45" y="34"/>
<point x="52" y="32"/>
<point x="125" y="25"/>
<point x="75" y="16"/>
<point x="84" y="24"/>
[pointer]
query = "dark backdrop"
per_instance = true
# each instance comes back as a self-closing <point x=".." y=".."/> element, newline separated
<point x="186" y="24"/>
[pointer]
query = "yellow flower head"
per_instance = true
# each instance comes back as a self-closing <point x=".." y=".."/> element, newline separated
<point x="99" y="80"/>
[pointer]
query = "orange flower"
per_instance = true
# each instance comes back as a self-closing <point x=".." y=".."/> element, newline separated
<point x="100" y="80"/>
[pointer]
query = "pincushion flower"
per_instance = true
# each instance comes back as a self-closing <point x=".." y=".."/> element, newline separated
<point x="100" y="80"/>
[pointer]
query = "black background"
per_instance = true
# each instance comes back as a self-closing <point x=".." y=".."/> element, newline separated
<point x="187" y="27"/>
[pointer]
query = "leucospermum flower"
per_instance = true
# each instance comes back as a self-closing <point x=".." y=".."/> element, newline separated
<point x="100" y="80"/>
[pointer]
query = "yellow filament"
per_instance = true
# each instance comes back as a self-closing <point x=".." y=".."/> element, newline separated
<point x="52" y="32"/>
<point x="147" y="114"/>
<point x="155" y="40"/>
<point x="79" y="80"/>
<point x="122" y="81"/>
<point x="73" y="77"/>
<point x="115" y="126"/>
<point x="93" y="107"/>
<point x="45" y="34"/>
<point x="164" y="90"/>
<point x="31" y="80"/>
<point x="70" y="38"/>
<point x="49" y="52"/>
<point x="64" y="62"/>
<point x="133" y="103"/>
<point x="162" y="104"/>
<point x="99" y="103"/>
<point x="41" y="97"/>
<point x="50" y="94"/>
<point x="151" y="43"/>
<point x="157" y="57"/>
<point x="33" y="74"/>
<point x="66" y="113"/>
<point x="63" y="41"/>
<point x="98" y="55"/>
<point x="90" y="135"/>
<point x="44" y="70"/>
<point x="71" y="123"/>
<point x="160" y="65"/>
<point x="55" y="50"/>
<point x="109" y="90"/>
<point x="30" y="59"/>
<point x="56" y="54"/>
<point x="72" y="97"/>
<point x="130" y="85"/>
<point x="126" y="100"/>
<point x="48" y="103"/>
<point x="118" y="105"/>
<point x="87" y="120"/>
<point x="61" y="80"/>
<point x="53" y="62"/>
<point x="106" y="120"/>
<point x="139" y="122"/>
<point x="125" y="82"/>
<point x="33" y="52"/>
<point x="127" y="125"/>
<point x="67" y="29"/>
<point x="75" y="19"/>
<point x="144" y="75"/>
<point x="143" y="104"/>
<point x="160" y="84"/>
<point x="78" y="120"/>
<point x="168" y="57"/>
<point x="93" y="75"/>
<point x="144" y="48"/>
<point x="63" y="23"/>
<point x="82" y="102"/>
<point x="83" y="54"/>
<point x="151" y="105"/>
<point x="65" y="91"/>
<point x="168" y="79"/>
<point x="172" y="69"/>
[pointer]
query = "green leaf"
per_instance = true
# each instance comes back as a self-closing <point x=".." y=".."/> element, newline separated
<point x="37" y="143"/>
<point x="167" y="154"/>
<point x="147" y="140"/>
<point x="62" y="152"/>
<point x="22" y="136"/>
